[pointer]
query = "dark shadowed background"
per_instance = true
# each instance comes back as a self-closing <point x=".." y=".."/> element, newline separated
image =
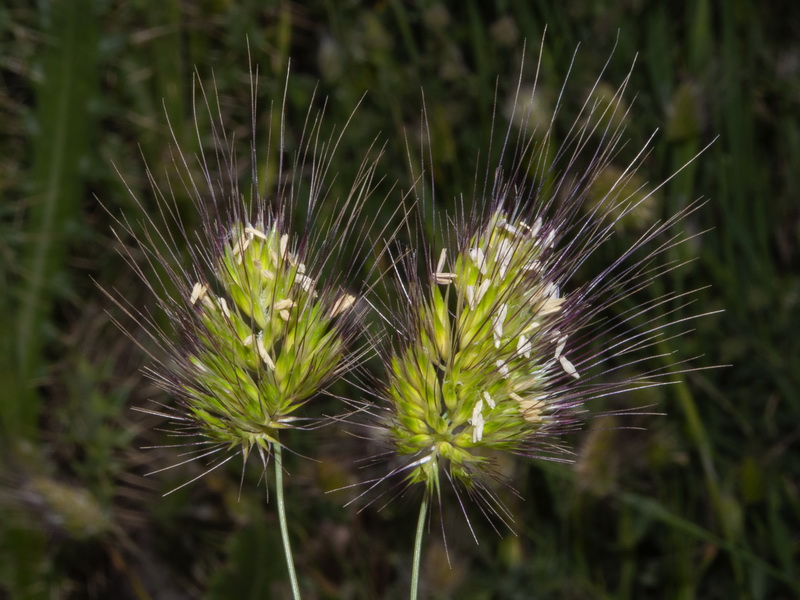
<point x="703" y="503"/>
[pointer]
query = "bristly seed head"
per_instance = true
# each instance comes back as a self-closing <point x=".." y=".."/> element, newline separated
<point x="263" y="321"/>
<point x="240" y="393"/>
<point x="477" y="377"/>
<point x="493" y="356"/>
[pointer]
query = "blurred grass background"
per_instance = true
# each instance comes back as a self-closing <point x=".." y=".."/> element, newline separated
<point x="703" y="504"/>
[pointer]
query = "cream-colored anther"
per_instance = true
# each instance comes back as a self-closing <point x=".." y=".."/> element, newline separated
<point x="199" y="292"/>
<point x="256" y="232"/>
<point x="477" y="422"/>
<point x="505" y="253"/>
<point x="262" y="352"/>
<point x="476" y="294"/>
<point x="502" y="367"/>
<point x="524" y="346"/>
<point x="441" y="277"/>
<point x="568" y="367"/>
<point x="498" y="320"/>
<point x="283" y="304"/>
<point x="283" y="244"/>
<point x="305" y="282"/>
<point x="342" y="304"/>
<point x="479" y="258"/>
<point x="532" y="409"/>
<point x="224" y="306"/>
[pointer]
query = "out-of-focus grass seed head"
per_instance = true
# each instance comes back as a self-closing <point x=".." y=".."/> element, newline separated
<point x="497" y="350"/>
<point x="260" y="306"/>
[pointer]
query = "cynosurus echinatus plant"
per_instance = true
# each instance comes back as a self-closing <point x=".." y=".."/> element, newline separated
<point x="261" y="311"/>
<point x="497" y="351"/>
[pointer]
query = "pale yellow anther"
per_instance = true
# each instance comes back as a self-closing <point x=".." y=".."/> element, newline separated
<point x="552" y="302"/>
<point x="502" y="367"/>
<point x="532" y="410"/>
<point x="283" y="244"/>
<point x="524" y="346"/>
<point x="498" y="320"/>
<point x="475" y="295"/>
<point x="199" y="292"/>
<point x="551" y="305"/>
<point x="509" y="227"/>
<point x="537" y="226"/>
<point x="442" y="259"/>
<point x="444" y="278"/>
<point x="267" y="274"/>
<point x="489" y="399"/>
<point x="441" y="277"/>
<point x="476" y="410"/>
<point x="256" y="232"/>
<point x="479" y="258"/>
<point x="305" y="282"/>
<point x="262" y="352"/>
<point x="284" y="314"/>
<point x="505" y="253"/>
<point x="568" y="367"/>
<point x="248" y="340"/>
<point x="224" y="306"/>
<point x="342" y="304"/>
<point x="283" y="304"/>
<point x="477" y="422"/>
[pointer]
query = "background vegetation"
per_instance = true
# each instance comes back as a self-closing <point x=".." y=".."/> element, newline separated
<point x="703" y="504"/>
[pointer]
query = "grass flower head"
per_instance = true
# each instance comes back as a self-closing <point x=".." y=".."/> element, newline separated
<point x="502" y="347"/>
<point x="260" y="308"/>
<point x="490" y="354"/>
<point x="258" y="303"/>
<point x="266" y="344"/>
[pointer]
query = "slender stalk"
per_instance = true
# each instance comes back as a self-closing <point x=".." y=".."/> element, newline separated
<point x="287" y="547"/>
<point x="423" y="510"/>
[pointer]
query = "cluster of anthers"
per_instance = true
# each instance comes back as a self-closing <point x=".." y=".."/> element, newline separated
<point x="486" y="365"/>
<point x="265" y="345"/>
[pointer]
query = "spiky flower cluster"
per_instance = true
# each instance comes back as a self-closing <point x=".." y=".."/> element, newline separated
<point x="256" y="296"/>
<point x="489" y="349"/>
<point x="495" y="355"/>
<point x="265" y="344"/>
<point x="500" y="350"/>
<point x="497" y="351"/>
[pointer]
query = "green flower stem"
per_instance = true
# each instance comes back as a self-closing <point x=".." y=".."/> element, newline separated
<point x="287" y="547"/>
<point x="423" y="510"/>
